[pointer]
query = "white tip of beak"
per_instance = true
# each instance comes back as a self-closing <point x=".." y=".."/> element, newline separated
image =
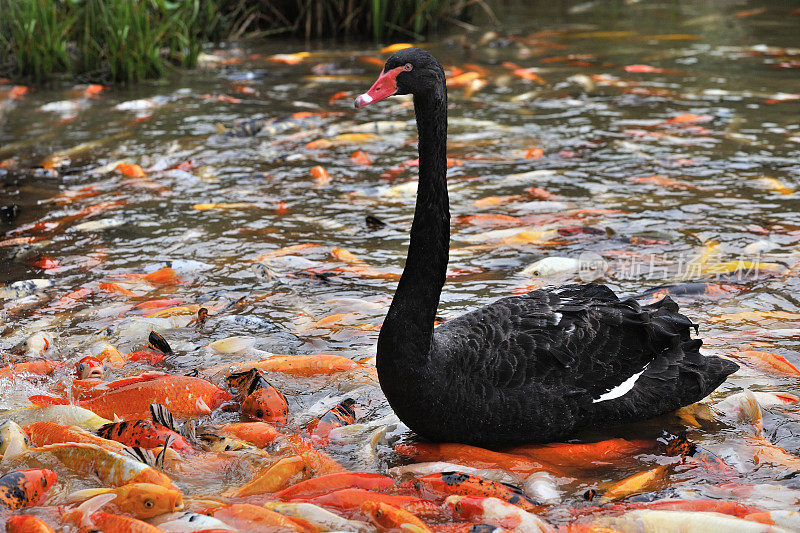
<point x="362" y="100"/>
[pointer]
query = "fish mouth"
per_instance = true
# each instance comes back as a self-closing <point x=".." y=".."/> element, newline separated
<point x="384" y="87"/>
<point x="94" y="373"/>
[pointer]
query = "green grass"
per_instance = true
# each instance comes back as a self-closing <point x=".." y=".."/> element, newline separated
<point x="128" y="40"/>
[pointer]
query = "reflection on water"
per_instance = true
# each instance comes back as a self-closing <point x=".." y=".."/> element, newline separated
<point x="643" y="144"/>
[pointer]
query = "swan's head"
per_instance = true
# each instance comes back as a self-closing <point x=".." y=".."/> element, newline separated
<point x="408" y="71"/>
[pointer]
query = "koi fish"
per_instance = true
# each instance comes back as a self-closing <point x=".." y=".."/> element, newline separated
<point x="40" y="367"/>
<point x="143" y="434"/>
<point x="88" y="516"/>
<point x="390" y="518"/>
<point x="259" y="434"/>
<point x="293" y="365"/>
<point x="249" y="517"/>
<point x="25" y="488"/>
<point x="652" y="521"/>
<point x="340" y="415"/>
<point x="770" y="362"/>
<point x="25" y="523"/>
<point x="140" y="500"/>
<point x="261" y="401"/>
<point x="319" y="485"/>
<point x="111" y="468"/>
<point x="351" y="500"/>
<point x="319" y="517"/>
<point x="446" y="484"/>
<point x="131" y="398"/>
<point x="319" y="461"/>
<point x="495" y="512"/>
<point x="647" y="481"/>
<point x="46" y="432"/>
<point x="12" y="436"/>
<point x="580" y="455"/>
<point x="189" y="523"/>
<point x="90" y="367"/>
<point x="469" y="456"/>
<point x="274" y="478"/>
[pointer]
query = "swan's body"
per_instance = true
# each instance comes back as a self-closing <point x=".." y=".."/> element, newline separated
<point x="532" y="368"/>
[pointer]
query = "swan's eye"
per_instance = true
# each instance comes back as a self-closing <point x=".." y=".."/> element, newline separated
<point x="407" y="67"/>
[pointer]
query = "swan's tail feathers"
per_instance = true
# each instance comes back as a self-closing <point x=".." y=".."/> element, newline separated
<point x="679" y="375"/>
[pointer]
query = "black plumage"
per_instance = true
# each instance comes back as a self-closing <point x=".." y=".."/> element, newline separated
<point x="529" y="368"/>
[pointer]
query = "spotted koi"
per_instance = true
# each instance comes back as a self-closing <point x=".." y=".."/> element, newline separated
<point x="445" y="484"/>
<point x="25" y="488"/>
<point x="144" y="434"/>
<point x="341" y="415"/>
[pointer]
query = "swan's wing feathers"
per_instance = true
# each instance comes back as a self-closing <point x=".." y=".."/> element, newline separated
<point x="579" y="337"/>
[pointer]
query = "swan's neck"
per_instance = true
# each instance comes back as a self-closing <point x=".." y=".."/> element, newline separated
<point x="407" y="331"/>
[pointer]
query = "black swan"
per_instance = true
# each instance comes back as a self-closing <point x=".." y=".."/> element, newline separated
<point x="524" y="369"/>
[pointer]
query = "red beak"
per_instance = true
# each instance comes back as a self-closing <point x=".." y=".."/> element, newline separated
<point x="384" y="87"/>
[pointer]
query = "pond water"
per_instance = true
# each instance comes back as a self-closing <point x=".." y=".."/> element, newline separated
<point x="642" y="144"/>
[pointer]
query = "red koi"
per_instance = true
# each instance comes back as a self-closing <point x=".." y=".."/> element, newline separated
<point x="351" y="500"/>
<point x="324" y="484"/>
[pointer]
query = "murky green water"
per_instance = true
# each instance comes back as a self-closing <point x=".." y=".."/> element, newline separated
<point x="663" y="127"/>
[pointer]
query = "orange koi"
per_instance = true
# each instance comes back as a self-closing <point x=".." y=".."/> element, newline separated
<point x="275" y="478"/>
<point x="25" y="488"/>
<point x="267" y="404"/>
<point x="390" y="518"/>
<point x="341" y="415"/>
<point x="40" y="367"/>
<point x="339" y="96"/>
<point x="102" y="521"/>
<point x="89" y="367"/>
<point x="351" y="500"/>
<point x="45" y="432"/>
<point x="647" y="481"/>
<point x="347" y="257"/>
<point x="131" y="171"/>
<point x="18" y="91"/>
<point x="688" y="118"/>
<point x="249" y="517"/>
<point x="289" y="59"/>
<point x="663" y="181"/>
<point x="770" y="362"/>
<point x="293" y="365"/>
<point x="469" y="456"/>
<point x="444" y="484"/>
<point x="131" y="398"/>
<point x="372" y="61"/>
<point x="156" y="304"/>
<point x="140" y="500"/>
<point x="162" y="276"/>
<point x="25" y="523"/>
<point x="534" y="153"/>
<point x="585" y="454"/>
<point x="528" y="75"/>
<point x="93" y="90"/>
<point x="360" y="157"/>
<point x="259" y="434"/>
<point x="323" y="484"/>
<point x="644" y="69"/>
<point x="320" y="175"/>
<point x="113" y="287"/>
<point x="319" y="461"/>
<point x="496" y="200"/>
<point x="489" y="220"/>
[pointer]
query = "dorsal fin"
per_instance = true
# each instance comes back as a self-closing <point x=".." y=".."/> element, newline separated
<point x="142" y="455"/>
<point x="161" y="415"/>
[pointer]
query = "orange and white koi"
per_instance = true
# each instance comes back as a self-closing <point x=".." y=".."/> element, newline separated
<point x="495" y="512"/>
<point x="113" y="469"/>
<point x="322" y="484"/>
<point x="140" y="500"/>
<point x="387" y="517"/>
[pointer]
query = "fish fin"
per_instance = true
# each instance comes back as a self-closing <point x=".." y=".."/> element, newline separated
<point x="203" y="407"/>
<point x="86" y="494"/>
<point x="41" y="400"/>
<point x="159" y="461"/>
<point x="91" y="506"/>
<point x="751" y="412"/>
<point x="188" y="431"/>
<point x="162" y="416"/>
<point x="143" y="455"/>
